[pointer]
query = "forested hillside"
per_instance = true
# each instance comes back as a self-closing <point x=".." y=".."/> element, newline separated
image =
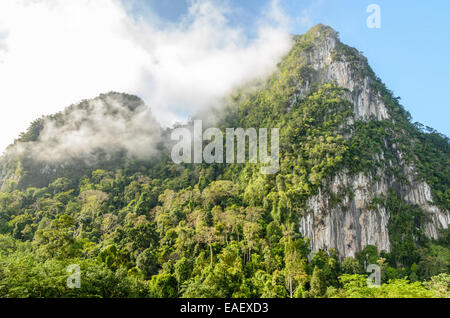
<point x="359" y="184"/>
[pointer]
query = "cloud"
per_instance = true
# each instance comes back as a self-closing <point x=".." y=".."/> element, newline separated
<point x="56" y="53"/>
<point x="3" y="36"/>
<point x="110" y="123"/>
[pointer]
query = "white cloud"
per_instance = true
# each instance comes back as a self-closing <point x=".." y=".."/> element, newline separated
<point x="54" y="53"/>
<point x="101" y="124"/>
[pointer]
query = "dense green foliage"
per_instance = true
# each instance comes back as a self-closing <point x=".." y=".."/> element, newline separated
<point x="156" y="229"/>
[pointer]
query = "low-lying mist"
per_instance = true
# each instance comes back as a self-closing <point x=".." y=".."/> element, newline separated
<point x="110" y="123"/>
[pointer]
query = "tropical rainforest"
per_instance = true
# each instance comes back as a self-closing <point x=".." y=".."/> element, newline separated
<point x="147" y="227"/>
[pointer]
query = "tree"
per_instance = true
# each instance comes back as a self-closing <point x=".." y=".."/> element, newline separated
<point x="318" y="286"/>
<point x="295" y="267"/>
<point x="147" y="262"/>
<point x="208" y="236"/>
<point x="163" y="285"/>
<point x="439" y="285"/>
<point x="251" y="231"/>
<point x="351" y="265"/>
<point x="182" y="271"/>
<point x="57" y="241"/>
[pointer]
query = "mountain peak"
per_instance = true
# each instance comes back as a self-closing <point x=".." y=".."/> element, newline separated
<point x="328" y="60"/>
<point x="320" y="32"/>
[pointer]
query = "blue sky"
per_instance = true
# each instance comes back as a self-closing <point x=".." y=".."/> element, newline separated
<point x="409" y="52"/>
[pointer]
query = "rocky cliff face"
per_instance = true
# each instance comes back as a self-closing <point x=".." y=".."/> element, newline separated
<point x="419" y="193"/>
<point x="356" y="221"/>
<point x="351" y="225"/>
<point x="330" y="64"/>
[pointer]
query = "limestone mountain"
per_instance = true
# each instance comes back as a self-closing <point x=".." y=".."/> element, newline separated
<point x="381" y="153"/>
<point x="357" y="180"/>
